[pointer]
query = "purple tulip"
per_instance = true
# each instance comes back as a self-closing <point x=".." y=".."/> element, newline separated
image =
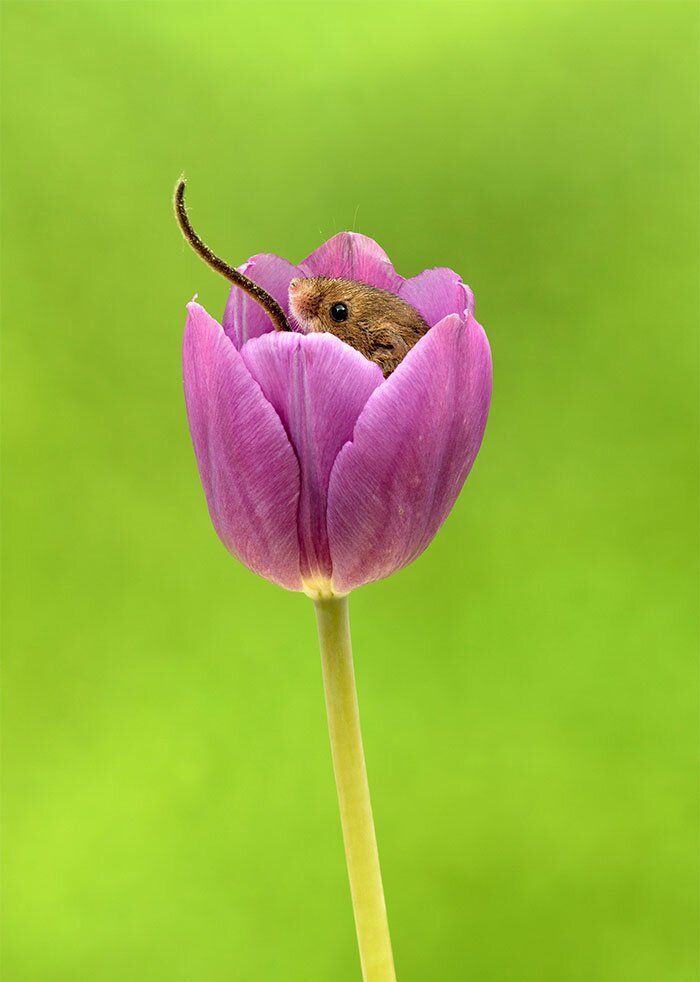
<point x="319" y="473"/>
<point x="323" y="470"/>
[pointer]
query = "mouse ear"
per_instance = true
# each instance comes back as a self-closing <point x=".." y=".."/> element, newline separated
<point x="268" y="303"/>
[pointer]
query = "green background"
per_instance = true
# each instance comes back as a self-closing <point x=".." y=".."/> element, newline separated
<point x="528" y="687"/>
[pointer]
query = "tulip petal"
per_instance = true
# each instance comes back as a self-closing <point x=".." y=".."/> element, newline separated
<point x="318" y="386"/>
<point x="244" y="318"/>
<point x="415" y="441"/>
<point x="248" y="468"/>
<point x="351" y="256"/>
<point x="436" y="293"/>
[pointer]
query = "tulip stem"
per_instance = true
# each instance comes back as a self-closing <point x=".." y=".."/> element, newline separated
<point x="353" y="791"/>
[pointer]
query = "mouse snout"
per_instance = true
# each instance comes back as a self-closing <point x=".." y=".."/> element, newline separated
<point x="299" y="288"/>
<point x="301" y="297"/>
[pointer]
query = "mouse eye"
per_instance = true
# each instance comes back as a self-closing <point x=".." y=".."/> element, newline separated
<point x="339" y="312"/>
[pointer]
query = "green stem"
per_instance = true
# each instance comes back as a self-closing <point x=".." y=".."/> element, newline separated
<point x="353" y="791"/>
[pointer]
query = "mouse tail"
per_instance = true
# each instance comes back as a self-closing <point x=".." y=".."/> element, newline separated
<point x="268" y="303"/>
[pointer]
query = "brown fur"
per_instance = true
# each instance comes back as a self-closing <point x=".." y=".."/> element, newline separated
<point x="380" y="325"/>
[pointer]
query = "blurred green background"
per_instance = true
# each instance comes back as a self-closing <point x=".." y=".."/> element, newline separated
<point x="528" y="687"/>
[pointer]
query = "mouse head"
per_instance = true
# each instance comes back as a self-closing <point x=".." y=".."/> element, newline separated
<point x="378" y="324"/>
<point x="335" y="305"/>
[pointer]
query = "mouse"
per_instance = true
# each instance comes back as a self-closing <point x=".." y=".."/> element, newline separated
<point x="378" y="324"/>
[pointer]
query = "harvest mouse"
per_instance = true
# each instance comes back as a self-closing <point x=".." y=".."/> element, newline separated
<point x="378" y="324"/>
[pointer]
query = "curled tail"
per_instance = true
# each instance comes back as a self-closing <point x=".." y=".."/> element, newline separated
<point x="268" y="303"/>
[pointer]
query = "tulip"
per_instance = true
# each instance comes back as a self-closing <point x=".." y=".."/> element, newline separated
<point x="322" y="475"/>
